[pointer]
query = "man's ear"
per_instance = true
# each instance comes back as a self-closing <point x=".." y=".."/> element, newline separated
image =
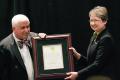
<point x="13" y="28"/>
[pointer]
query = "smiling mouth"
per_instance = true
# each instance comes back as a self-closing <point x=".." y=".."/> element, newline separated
<point x="93" y="27"/>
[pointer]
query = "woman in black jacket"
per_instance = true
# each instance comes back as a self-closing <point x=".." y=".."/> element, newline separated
<point x="100" y="50"/>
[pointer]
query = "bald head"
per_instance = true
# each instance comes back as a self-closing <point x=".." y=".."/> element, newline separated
<point x="19" y="18"/>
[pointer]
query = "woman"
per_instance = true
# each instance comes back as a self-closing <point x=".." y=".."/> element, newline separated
<point x="100" y="49"/>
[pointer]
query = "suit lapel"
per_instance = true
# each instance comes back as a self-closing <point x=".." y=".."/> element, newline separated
<point x="16" y="52"/>
<point x="89" y="47"/>
<point x="92" y="47"/>
<point x="93" y="44"/>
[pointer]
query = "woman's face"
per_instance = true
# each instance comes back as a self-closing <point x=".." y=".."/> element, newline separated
<point x="96" y="23"/>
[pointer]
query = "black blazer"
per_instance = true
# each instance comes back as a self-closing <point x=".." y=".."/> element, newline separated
<point x="11" y="63"/>
<point x="100" y="57"/>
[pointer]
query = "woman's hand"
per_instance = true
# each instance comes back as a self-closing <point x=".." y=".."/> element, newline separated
<point x="75" y="53"/>
<point x="71" y="75"/>
<point x="73" y="50"/>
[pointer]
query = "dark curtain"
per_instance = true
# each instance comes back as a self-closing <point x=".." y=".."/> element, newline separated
<point x="49" y="16"/>
<point x="60" y="16"/>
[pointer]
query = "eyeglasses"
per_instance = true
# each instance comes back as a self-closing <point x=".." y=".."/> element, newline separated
<point x="94" y="20"/>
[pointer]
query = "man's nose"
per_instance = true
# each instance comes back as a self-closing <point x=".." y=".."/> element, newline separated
<point x="26" y="29"/>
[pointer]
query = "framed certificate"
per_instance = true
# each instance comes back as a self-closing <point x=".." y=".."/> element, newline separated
<point x="52" y="59"/>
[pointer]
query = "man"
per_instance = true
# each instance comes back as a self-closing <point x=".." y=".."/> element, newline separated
<point x="16" y="56"/>
<point x="100" y="59"/>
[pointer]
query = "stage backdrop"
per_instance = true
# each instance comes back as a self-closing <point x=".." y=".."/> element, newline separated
<point x="60" y="16"/>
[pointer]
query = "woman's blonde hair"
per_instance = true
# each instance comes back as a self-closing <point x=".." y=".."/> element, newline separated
<point x="100" y="12"/>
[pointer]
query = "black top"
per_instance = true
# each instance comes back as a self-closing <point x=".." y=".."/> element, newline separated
<point x="100" y="57"/>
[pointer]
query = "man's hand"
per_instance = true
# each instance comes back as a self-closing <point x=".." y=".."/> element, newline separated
<point x="42" y="35"/>
<point x="71" y="75"/>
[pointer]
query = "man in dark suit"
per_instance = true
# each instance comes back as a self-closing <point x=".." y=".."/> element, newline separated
<point x="99" y="60"/>
<point x="15" y="51"/>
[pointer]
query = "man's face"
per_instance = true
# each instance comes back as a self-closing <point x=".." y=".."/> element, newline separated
<point x="22" y="30"/>
<point x="96" y="23"/>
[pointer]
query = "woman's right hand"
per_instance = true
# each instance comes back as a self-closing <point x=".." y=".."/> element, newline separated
<point x="75" y="53"/>
<point x="73" y="50"/>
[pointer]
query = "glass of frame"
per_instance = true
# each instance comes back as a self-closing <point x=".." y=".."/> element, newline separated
<point x="52" y="58"/>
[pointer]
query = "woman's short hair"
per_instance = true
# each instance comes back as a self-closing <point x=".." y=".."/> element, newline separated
<point x="100" y="12"/>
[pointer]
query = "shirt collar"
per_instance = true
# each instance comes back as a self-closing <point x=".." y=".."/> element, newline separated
<point x="16" y="39"/>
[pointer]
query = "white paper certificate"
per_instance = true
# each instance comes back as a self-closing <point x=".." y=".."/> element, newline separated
<point x="52" y="56"/>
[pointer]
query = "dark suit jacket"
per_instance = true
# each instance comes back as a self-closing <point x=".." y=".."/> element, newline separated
<point x="100" y="57"/>
<point x="11" y="63"/>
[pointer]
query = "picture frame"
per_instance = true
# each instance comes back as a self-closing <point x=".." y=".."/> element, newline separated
<point x="52" y="57"/>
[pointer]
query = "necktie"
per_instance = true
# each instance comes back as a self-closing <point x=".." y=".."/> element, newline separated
<point x="94" y="36"/>
<point x="26" y="42"/>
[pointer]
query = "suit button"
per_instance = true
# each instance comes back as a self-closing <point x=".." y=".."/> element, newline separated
<point x="16" y="66"/>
